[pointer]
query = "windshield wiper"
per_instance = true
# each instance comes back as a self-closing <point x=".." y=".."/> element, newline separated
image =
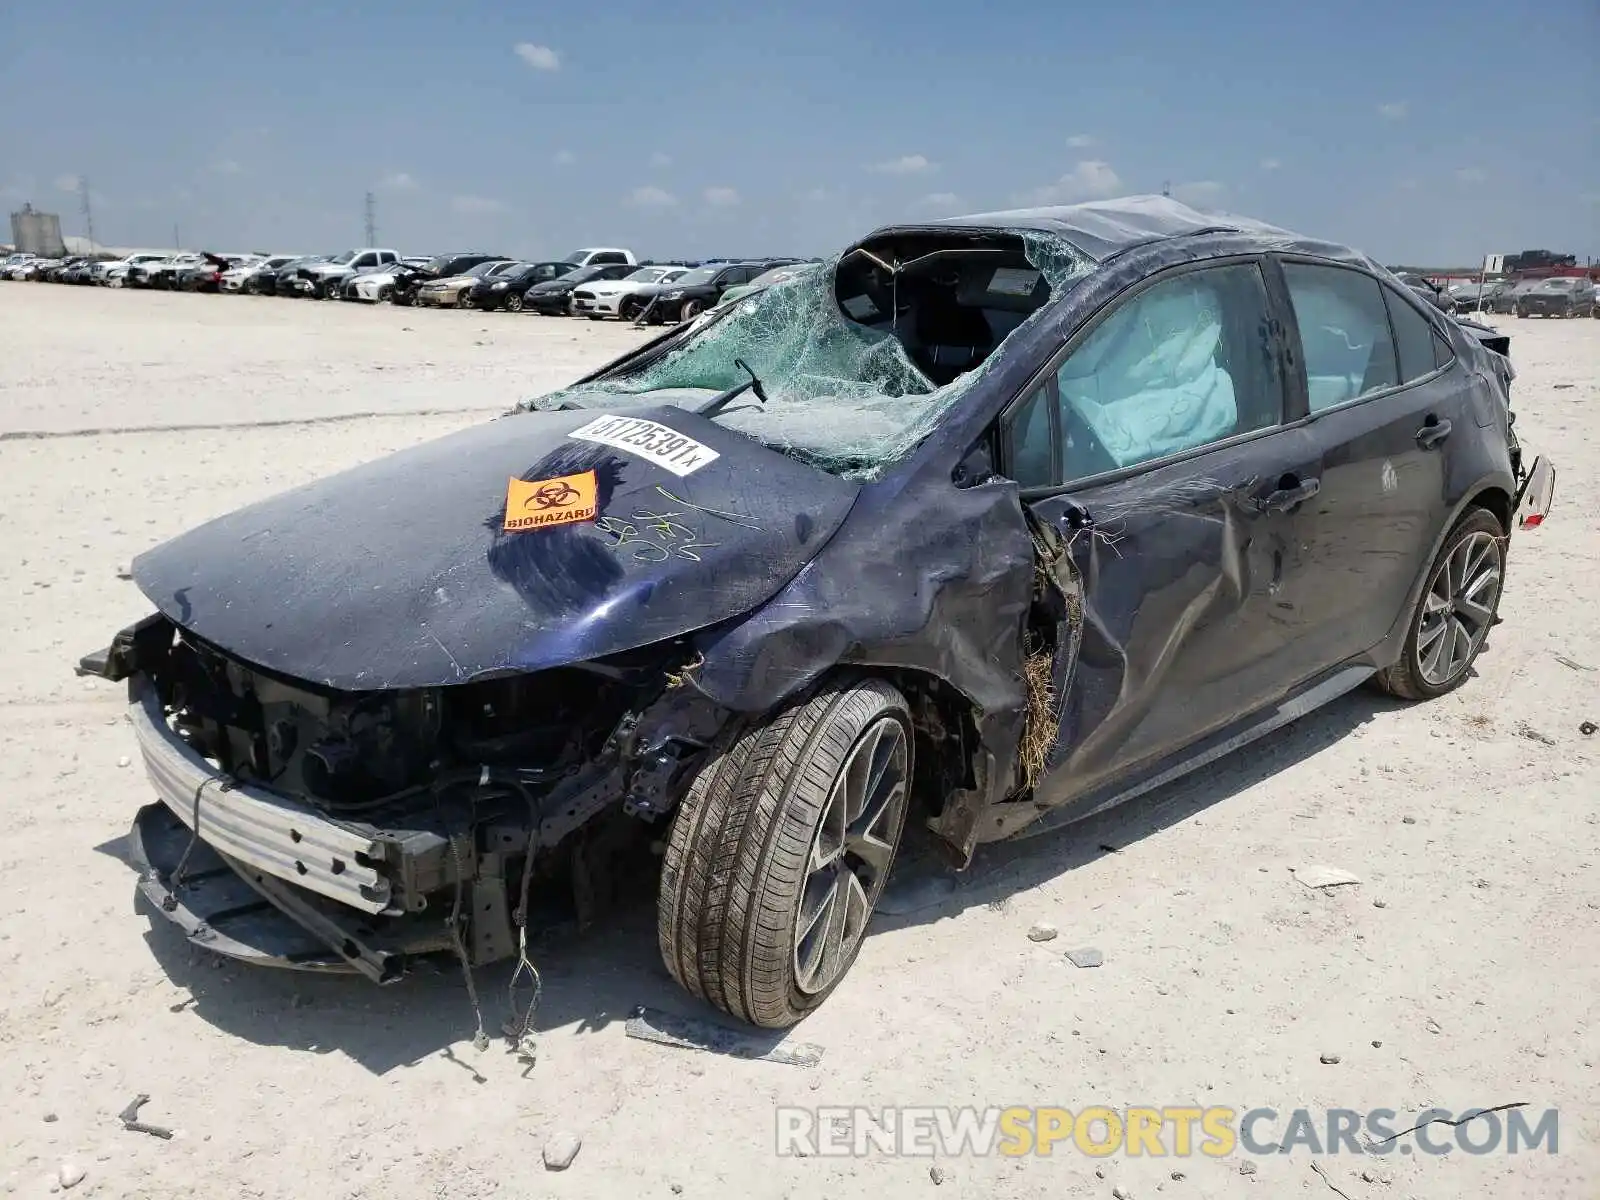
<point x="722" y="399"/>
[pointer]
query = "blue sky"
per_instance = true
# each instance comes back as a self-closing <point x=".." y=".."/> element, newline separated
<point x="1418" y="131"/>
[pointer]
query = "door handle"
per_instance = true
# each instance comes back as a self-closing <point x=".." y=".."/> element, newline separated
<point x="1433" y="432"/>
<point x="1287" y="497"/>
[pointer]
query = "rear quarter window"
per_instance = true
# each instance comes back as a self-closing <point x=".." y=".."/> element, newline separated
<point x="1415" y="338"/>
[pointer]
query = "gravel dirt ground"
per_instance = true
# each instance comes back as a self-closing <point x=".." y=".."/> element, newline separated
<point x="1462" y="971"/>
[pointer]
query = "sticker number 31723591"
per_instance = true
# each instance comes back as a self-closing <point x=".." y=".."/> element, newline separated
<point x="665" y="447"/>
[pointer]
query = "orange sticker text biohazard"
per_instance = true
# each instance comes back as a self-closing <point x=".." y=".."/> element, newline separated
<point x="559" y="501"/>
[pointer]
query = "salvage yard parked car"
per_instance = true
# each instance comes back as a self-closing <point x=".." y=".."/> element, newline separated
<point x="268" y="282"/>
<point x="452" y="291"/>
<point x="766" y="279"/>
<point x="160" y="273"/>
<point x="407" y="281"/>
<point x="113" y="272"/>
<point x="625" y="297"/>
<point x="505" y="289"/>
<point x="1505" y="300"/>
<point x="374" y="287"/>
<point x="1473" y="296"/>
<point x="553" y="298"/>
<point x="1559" y="297"/>
<point x="694" y="291"/>
<point x="239" y="277"/>
<point x="323" y="278"/>
<point x="989" y="523"/>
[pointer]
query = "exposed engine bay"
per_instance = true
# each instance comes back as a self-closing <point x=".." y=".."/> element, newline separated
<point x="444" y="813"/>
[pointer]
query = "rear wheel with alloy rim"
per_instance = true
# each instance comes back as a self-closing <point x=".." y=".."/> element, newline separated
<point x="780" y="850"/>
<point x="1455" y="613"/>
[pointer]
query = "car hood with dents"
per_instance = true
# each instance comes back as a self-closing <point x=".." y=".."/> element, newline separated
<point x="401" y="573"/>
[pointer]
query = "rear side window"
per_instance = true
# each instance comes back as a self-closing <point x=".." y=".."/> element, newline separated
<point x="1415" y="338"/>
<point x="607" y="257"/>
<point x="1344" y="333"/>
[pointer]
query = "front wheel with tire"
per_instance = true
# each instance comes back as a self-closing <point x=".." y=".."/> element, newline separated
<point x="780" y="850"/>
<point x="1455" y="613"/>
<point x="690" y="310"/>
<point x="513" y="302"/>
<point x="629" y="310"/>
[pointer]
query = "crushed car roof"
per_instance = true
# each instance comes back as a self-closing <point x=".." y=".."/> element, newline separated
<point x="1102" y="228"/>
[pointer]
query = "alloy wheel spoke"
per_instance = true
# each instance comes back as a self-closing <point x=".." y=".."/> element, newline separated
<point x="857" y="908"/>
<point x="1458" y="644"/>
<point x="1478" y="614"/>
<point x="833" y="935"/>
<point x="811" y="948"/>
<point x="1434" y="656"/>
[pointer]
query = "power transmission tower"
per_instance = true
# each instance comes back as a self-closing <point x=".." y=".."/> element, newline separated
<point x="372" y="220"/>
<point x="88" y="213"/>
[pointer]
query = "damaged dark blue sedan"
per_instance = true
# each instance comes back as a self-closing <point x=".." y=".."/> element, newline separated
<point x="989" y="522"/>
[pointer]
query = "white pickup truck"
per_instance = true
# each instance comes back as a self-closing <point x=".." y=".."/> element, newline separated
<point x="325" y="279"/>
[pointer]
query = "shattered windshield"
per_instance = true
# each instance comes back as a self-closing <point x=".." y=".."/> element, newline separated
<point x="849" y="392"/>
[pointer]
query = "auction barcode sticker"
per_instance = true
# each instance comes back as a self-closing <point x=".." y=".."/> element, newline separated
<point x="655" y="443"/>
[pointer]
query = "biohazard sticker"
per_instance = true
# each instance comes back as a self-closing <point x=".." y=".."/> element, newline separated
<point x="559" y="501"/>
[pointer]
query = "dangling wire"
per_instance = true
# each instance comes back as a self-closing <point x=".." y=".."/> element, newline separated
<point x="519" y="1026"/>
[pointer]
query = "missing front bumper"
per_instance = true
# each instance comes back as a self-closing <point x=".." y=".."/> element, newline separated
<point x="226" y="907"/>
<point x="290" y="841"/>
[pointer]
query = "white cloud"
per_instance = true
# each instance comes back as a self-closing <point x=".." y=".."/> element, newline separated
<point x="906" y="164"/>
<point x="540" y="58"/>
<point x="943" y="203"/>
<point x="1088" y="180"/>
<point x="1082" y="141"/>
<point x="564" y="158"/>
<point x="817" y="195"/>
<point x="658" y="159"/>
<point x="1472" y="175"/>
<point x="722" y="197"/>
<point x="1271" y="164"/>
<point x="398" y="181"/>
<point x="227" y="166"/>
<point x="651" y="196"/>
<point x="1395" y="110"/>
<point x="1200" y="191"/>
<point x="67" y="183"/>
<point x="476" y="206"/>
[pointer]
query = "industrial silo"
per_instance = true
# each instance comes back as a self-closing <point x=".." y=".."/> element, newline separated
<point x="37" y="232"/>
